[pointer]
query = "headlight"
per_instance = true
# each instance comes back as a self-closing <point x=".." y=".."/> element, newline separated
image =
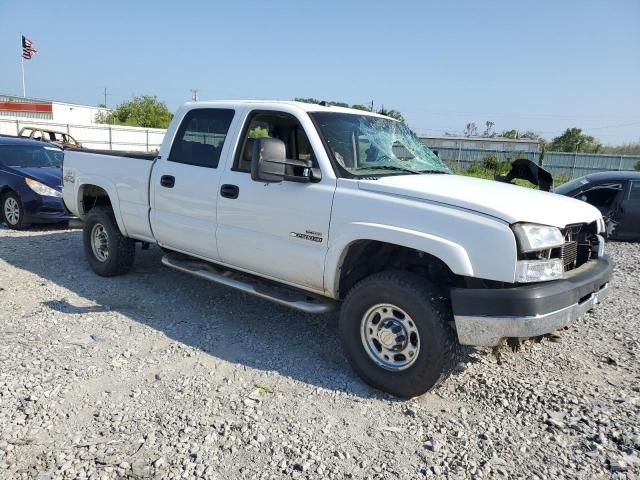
<point x="539" y="270"/>
<point x="537" y="237"/>
<point x="42" y="189"/>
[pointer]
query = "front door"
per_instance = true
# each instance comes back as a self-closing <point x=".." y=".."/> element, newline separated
<point x="279" y="230"/>
<point x="184" y="186"/>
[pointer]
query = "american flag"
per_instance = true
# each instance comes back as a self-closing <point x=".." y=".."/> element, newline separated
<point x="27" y="48"/>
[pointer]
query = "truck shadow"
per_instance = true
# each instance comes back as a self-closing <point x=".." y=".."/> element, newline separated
<point x="217" y="320"/>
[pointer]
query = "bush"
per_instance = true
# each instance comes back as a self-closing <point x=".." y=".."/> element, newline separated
<point x="490" y="162"/>
<point x="637" y="167"/>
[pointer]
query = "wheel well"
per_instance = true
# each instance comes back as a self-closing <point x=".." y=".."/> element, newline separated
<point x="366" y="257"/>
<point x="4" y="191"/>
<point x="94" y="196"/>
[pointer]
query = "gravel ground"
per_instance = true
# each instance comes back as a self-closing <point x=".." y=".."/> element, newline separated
<point x="160" y="375"/>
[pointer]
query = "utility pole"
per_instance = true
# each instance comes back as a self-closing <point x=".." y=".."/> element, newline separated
<point x="105" y="96"/>
<point x="194" y="94"/>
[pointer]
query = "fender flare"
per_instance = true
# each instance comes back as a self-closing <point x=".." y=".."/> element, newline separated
<point x="450" y="253"/>
<point x="112" y="193"/>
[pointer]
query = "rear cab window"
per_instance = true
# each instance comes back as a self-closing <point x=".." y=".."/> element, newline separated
<point x="201" y="136"/>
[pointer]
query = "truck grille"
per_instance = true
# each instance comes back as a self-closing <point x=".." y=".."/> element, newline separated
<point x="569" y="252"/>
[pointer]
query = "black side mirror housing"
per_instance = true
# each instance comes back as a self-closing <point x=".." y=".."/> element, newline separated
<point x="269" y="162"/>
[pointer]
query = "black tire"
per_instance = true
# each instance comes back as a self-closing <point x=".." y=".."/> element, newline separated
<point x="431" y="313"/>
<point x="120" y="249"/>
<point x="21" y="224"/>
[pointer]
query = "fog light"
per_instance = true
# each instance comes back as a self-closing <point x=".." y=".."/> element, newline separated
<point x="539" y="270"/>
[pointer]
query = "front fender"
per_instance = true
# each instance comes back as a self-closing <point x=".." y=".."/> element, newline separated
<point x="451" y="253"/>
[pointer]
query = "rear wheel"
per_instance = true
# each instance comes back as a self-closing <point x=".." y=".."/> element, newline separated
<point x="13" y="212"/>
<point x="396" y="329"/>
<point x="108" y="251"/>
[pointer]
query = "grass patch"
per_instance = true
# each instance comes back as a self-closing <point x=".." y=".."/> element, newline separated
<point x="478" y="170"/>
<point x="264" y="388"/>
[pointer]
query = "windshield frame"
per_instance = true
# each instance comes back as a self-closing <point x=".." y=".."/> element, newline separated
<point x="573" y="185"/>
<point x="342" y="172"/>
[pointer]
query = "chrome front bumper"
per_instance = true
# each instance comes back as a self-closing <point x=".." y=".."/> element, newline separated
<point x="489" y="331"/>
<point x="484" y="316"/>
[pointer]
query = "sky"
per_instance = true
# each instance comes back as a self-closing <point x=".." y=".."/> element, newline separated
<point x="530" y="65"/>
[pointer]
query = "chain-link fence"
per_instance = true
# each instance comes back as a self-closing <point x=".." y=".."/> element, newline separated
<point x="569" y="165"/>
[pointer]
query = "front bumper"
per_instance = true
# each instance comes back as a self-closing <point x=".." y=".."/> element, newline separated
<point x="41" y="209"/>
<point x="483" y="317"/>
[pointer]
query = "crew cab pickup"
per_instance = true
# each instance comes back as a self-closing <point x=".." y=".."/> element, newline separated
<point x="316" y="207"/>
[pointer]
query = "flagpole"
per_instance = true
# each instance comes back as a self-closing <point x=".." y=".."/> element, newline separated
<point x="24" y="89"/>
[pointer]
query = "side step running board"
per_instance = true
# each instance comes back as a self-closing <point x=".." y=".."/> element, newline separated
<point x="286" y="296"/>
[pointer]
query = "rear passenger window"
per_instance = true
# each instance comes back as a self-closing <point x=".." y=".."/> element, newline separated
<point x="201" y="136"/>
<point x="634" y="192"/>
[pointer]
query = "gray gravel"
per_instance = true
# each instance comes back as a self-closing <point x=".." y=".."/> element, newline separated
<point x="160" y="375"/>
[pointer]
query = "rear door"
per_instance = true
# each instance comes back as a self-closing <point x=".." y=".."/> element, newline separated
<point x="628" y="227"/>
<point x="185" y="185"/>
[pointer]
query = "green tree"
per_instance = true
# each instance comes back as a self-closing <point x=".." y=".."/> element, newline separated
<point x="382" y="111"/>
<point x="512" y="134"/>
<point x="637" y="167"/>
<point x="573" y="140"/>
<point x="259" y="132"/>
<point x="359" y="106"/>
<point x="632" y="148"/>
<point x="140" y="111"/>
<point x="391" y="113"/>
<point x="515" y="135"/>
<point x="316" y="102"/>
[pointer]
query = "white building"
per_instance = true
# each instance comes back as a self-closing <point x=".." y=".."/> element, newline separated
<point x="14" y="107"/>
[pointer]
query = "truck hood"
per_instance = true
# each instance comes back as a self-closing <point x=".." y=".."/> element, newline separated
<point x="507" y="202"/>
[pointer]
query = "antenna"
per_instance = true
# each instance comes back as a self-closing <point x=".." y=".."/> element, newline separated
<point x="194" y="94"/>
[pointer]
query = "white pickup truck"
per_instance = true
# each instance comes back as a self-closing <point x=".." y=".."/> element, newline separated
<point x="313" y="206"/>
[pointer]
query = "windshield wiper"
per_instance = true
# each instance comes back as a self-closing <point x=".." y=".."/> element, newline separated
<point x="431" y="171"/>
<point x="391" y="167"/>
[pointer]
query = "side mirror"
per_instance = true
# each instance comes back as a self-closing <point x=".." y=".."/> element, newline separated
<point x="269" y="162"/>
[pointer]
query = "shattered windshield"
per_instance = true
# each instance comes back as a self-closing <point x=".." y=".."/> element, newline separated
<point x="365" y="145"/>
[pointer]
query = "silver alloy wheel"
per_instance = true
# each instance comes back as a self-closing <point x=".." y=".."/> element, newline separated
<point x="390" y="337"/>
<point x="100" y="242"/>
<point x="11" y="211"/>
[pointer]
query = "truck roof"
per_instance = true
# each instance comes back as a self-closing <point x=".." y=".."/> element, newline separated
<point x="274" y="104"/>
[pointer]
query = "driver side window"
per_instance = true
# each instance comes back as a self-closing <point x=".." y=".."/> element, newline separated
<point x="268" y="124"/>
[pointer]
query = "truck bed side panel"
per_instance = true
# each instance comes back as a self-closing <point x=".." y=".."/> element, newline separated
<point x="125" y="179"/>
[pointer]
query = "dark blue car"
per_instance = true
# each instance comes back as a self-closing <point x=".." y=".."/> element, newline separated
<point x="30" y="183"/>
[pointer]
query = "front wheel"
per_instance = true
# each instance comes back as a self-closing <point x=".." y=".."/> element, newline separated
<point x="108" y="251"/>
<point x="13" y="212"/>
<point x="396" y="330"/>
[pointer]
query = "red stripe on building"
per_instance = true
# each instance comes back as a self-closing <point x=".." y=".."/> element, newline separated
<point x="25" y="107"/>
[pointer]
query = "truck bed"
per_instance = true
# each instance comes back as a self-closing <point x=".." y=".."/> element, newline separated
<point x="123" y="175"/>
